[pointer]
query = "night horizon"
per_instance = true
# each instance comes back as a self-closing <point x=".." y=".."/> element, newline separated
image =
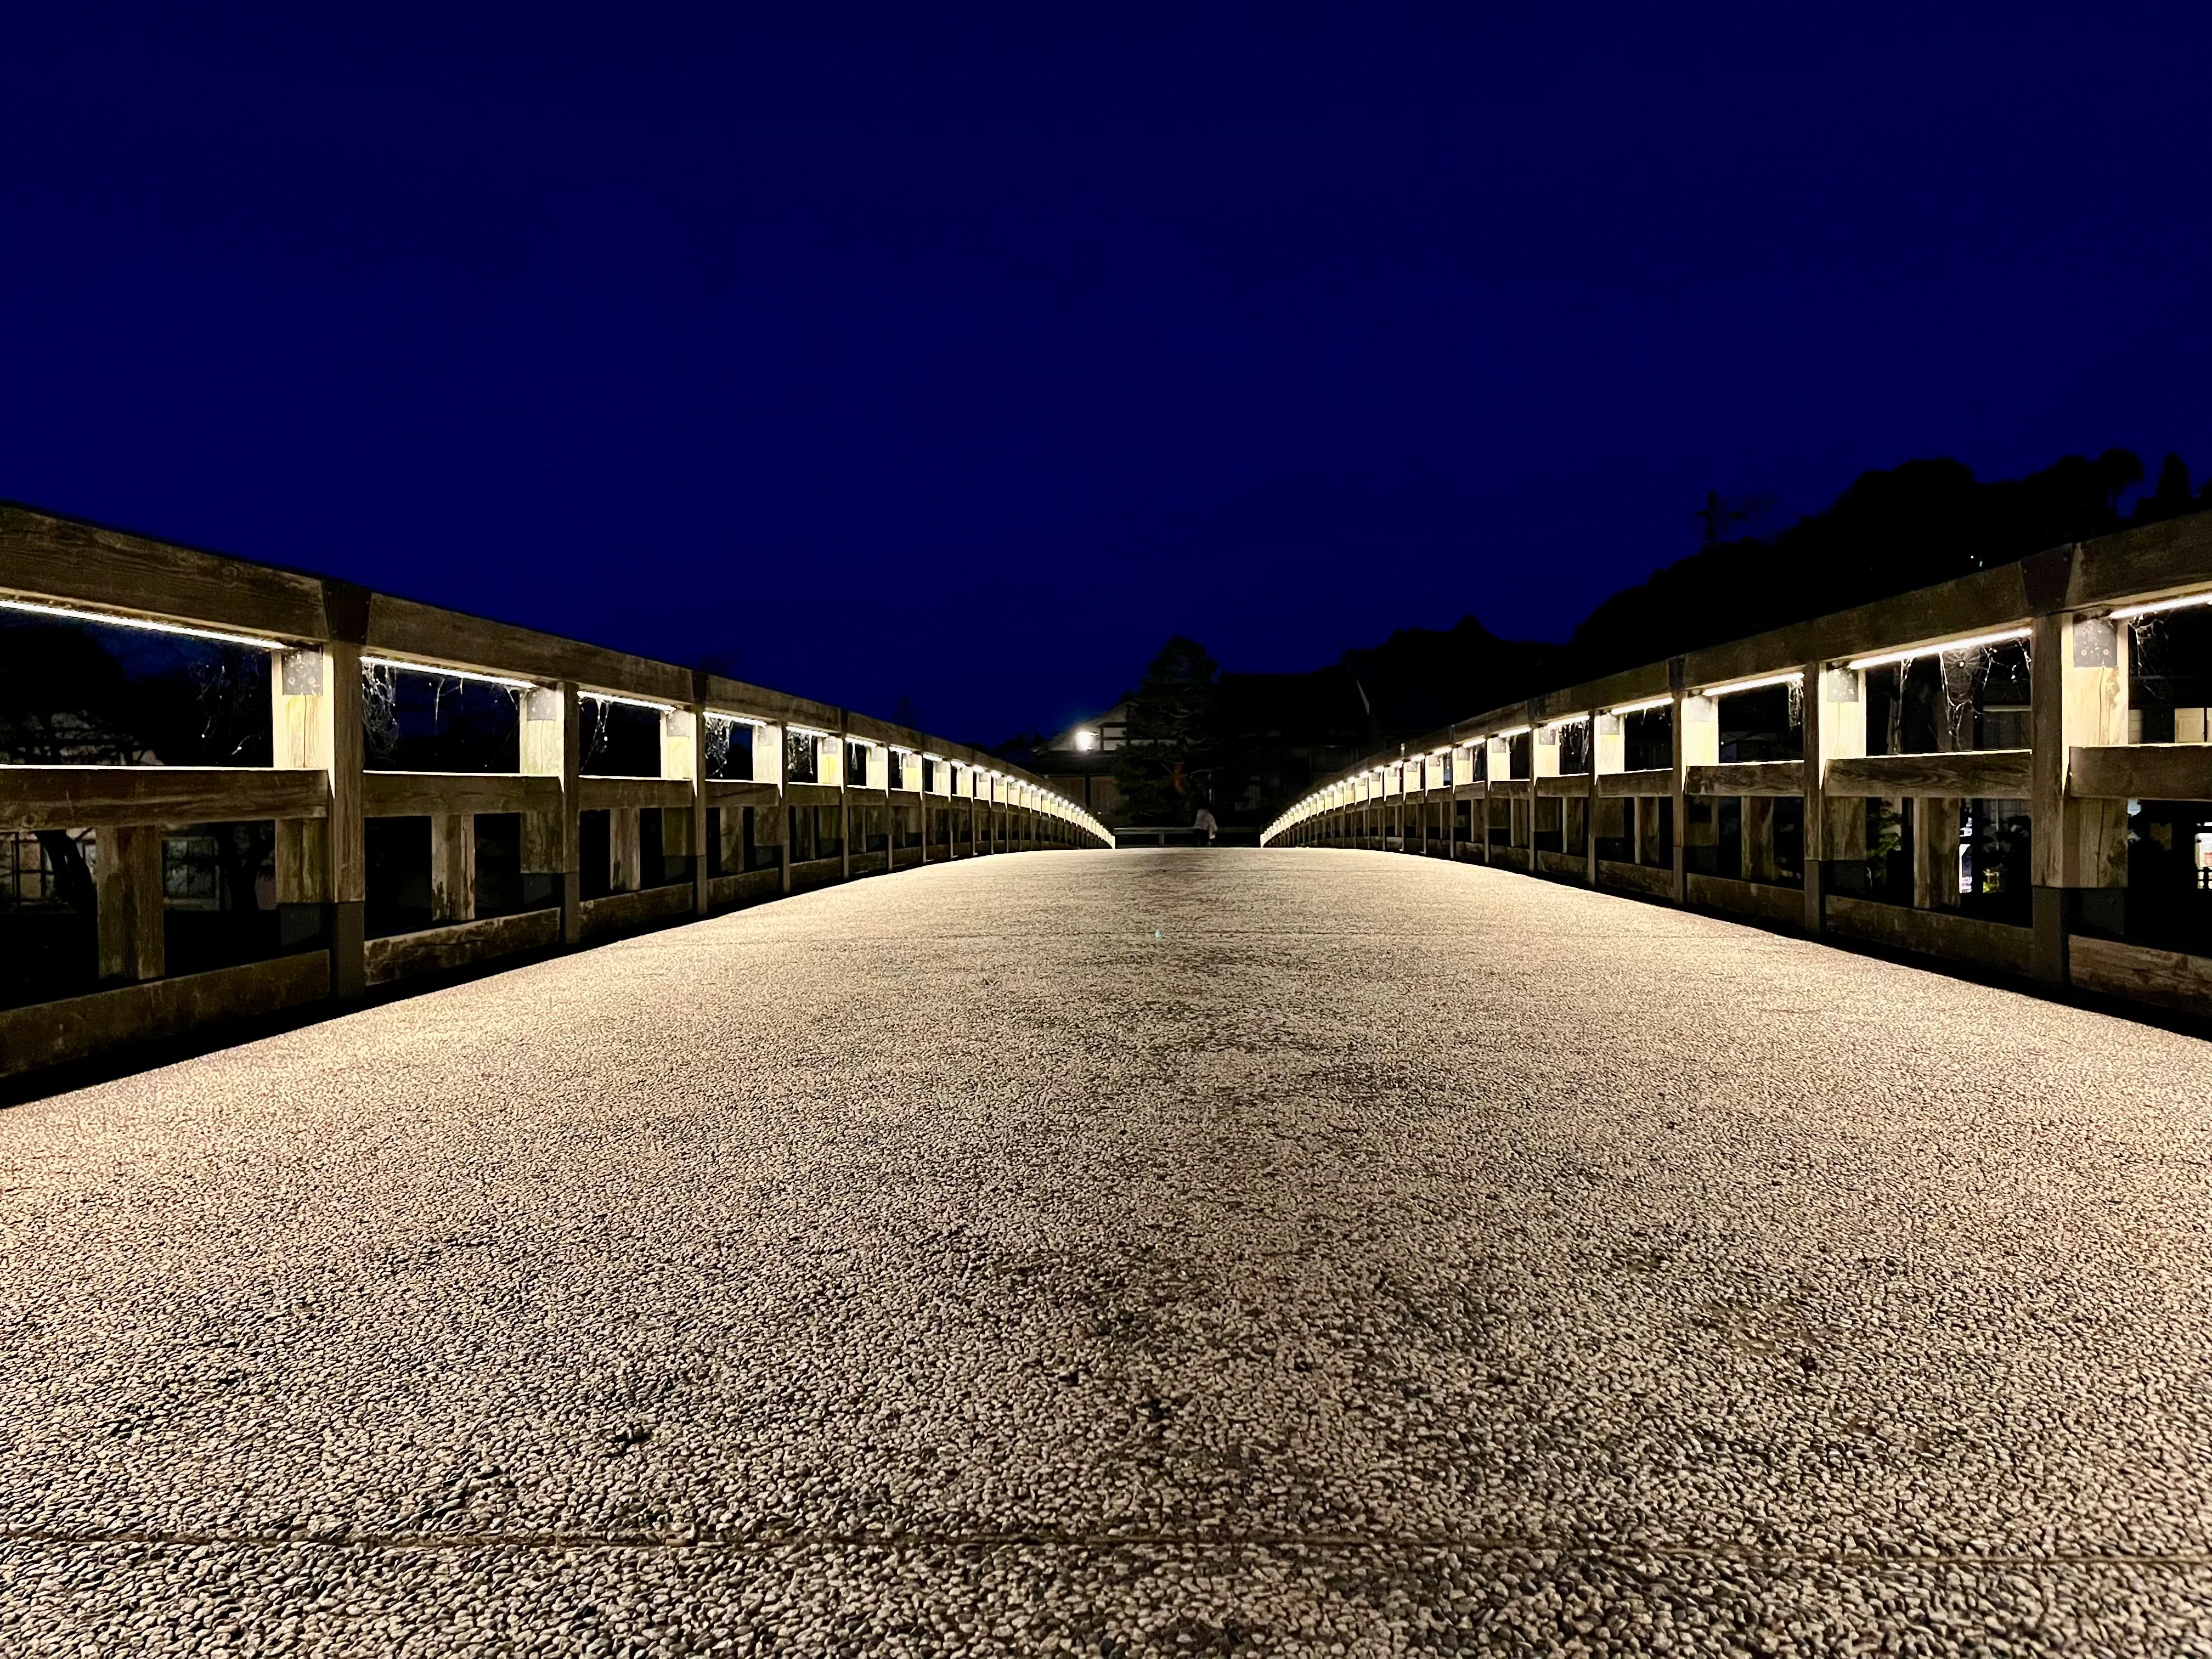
<point x="1277" y="337"/>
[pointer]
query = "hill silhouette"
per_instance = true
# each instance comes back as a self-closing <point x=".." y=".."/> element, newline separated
<point x="1269" y="737"/>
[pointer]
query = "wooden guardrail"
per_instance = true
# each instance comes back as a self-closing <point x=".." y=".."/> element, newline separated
<point x="906" y="797"/>
<point x="2068" y="771"/>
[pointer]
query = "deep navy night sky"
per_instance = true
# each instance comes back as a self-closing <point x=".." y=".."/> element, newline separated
<point x="967" y="361"/>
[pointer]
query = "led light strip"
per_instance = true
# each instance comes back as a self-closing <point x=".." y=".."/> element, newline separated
<point x="2155" y="605"/>
<point x="144" y="624"/>
<point x="754" y="720"/>
<point x="444" y="673"/>
<point x="1510" y="731"/>
<point x="1943" y="647"/>
<point x="1792" y="677"/>
<point x="628" y="702"/>
<point x="1640" y="707"/>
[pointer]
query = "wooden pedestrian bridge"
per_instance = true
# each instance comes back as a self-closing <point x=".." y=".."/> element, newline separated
<point x="2010" y="771"/>
<point x="1291" y="1250"/>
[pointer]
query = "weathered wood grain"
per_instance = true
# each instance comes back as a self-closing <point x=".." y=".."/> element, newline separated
<point x="121" y="797"/>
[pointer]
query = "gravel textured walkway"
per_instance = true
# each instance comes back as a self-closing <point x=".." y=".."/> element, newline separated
<point x="1274" y="1253"/>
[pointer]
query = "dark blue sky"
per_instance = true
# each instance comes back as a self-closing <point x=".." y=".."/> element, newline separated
<point x="969" y="360"/>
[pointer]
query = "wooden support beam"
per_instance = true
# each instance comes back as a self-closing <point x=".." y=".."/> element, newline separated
<point x="453" y="867"/>
<point x="552" y="747"/>
<point x="131" y="914"/>
<point x="625" y="851"/>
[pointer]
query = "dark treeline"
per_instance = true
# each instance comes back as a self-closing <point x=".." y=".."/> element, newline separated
<point x="1245" y="744"/>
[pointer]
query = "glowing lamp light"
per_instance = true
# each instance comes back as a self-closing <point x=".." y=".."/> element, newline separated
<point x="1639" y="707"/>
<point x="1086" y="741"/>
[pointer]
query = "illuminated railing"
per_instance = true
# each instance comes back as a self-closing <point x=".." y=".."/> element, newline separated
<point x="728" y="817"/>
<point x="2051" y="817"/>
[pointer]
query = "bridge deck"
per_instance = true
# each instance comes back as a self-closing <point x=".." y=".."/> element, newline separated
<point x="1184" y="1251"/>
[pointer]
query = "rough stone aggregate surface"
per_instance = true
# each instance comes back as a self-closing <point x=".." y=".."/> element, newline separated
<point x="1285" y="1252"/>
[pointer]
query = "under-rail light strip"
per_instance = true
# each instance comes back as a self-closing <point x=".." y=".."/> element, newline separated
<point x="445" y="673"/>
<point x="1640" y="707"/>
<point x="629" y="702"/>
<point x="2152" y="607"/>
<point x="1941" y="648"/>
<point x="1760" y="685"/>
<point x="145" y="624"/>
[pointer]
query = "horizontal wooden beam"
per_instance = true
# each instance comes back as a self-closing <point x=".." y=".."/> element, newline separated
<point x="1573" y="787"/>
<point x="730" y="791"/>
<point x="1933" y="933"/>
<point x="50" y="1033"/>
<point x="125" y="797"/>
<point x="2142" y="772"/>
<point x="52" y="558"/>
<point x="1746" y="778"/>
<point x="1652" y="781"/>
<point x="442" y="949"/>
<point x="426" y="794"/>
<point x="605" y="794"/>
<point x="1998" y="772"/>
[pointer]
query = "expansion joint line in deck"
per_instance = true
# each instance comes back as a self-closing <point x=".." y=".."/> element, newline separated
<point x="1207" y="1542"/>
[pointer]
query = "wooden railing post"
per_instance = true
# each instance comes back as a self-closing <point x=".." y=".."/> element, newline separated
<point x="552" y="747"/>
<point x="132" y="918"/>
<point x="1608" y="753"/>
<point x="322" y="868"/>
<point x="454" y="866"/>
<point x="2078" y="698"/>
<point x="1835" y="729"/>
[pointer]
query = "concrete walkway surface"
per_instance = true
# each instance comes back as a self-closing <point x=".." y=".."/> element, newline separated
<point x="1285" y="1252"/>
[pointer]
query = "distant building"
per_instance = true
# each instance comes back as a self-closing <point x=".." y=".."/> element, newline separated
<point x="1078" y="761"/>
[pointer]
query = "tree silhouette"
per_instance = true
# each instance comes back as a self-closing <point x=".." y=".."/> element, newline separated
<point x="1165" y="764"/>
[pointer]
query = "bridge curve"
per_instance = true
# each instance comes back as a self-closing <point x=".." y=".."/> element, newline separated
<point x="1129" y="1252"/>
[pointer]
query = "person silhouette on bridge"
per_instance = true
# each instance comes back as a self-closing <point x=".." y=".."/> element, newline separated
<point x="1205" y="821"/>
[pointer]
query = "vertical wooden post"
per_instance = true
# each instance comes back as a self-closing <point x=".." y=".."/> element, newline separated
<point x="1697" y="743"/>
<point x="316" y="724"/>
<point x="299" y="724"/>
<point x="625" y="850"/>
<point x="2078" y="694"/>
<point x="1608" y="750"/>
<point x="552" y="747"/>
<point x="131" y="912"/>
<point x="1757" y="817"/>
<point x="684" y="832"/>
<point x="454" y="866"/>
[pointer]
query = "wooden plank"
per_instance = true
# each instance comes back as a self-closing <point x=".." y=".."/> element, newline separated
<point x="2149" y="561"/>
<point x="129" y="909"/>
<point x="618" y="913"/>
<point x="121" y="797"/>
<point x="631" y="794"/>
<point x="2000" y="773"/>
<point x="2166" y="979"/>
<point x="1763" y="778"/>
<point x="47" y="556"/>
<point x="2141" y="772"/>
<point x="1637" y="878"/>
<point x="1746" y="898"/>
<point x="410" y="629"/>
<point x="1654" y="780"/>
<point x="1573" y="786"/>
<point x="76" y="1028"/>
<point x="731" y="793"/>
<point x="426" y="794"/>
<point x="442" y="949"/>
<point x="747" y="887"/>
<point x="454" y="866"/>
<point x="1561" y="864"/>
<point x="1932" y="933"/>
